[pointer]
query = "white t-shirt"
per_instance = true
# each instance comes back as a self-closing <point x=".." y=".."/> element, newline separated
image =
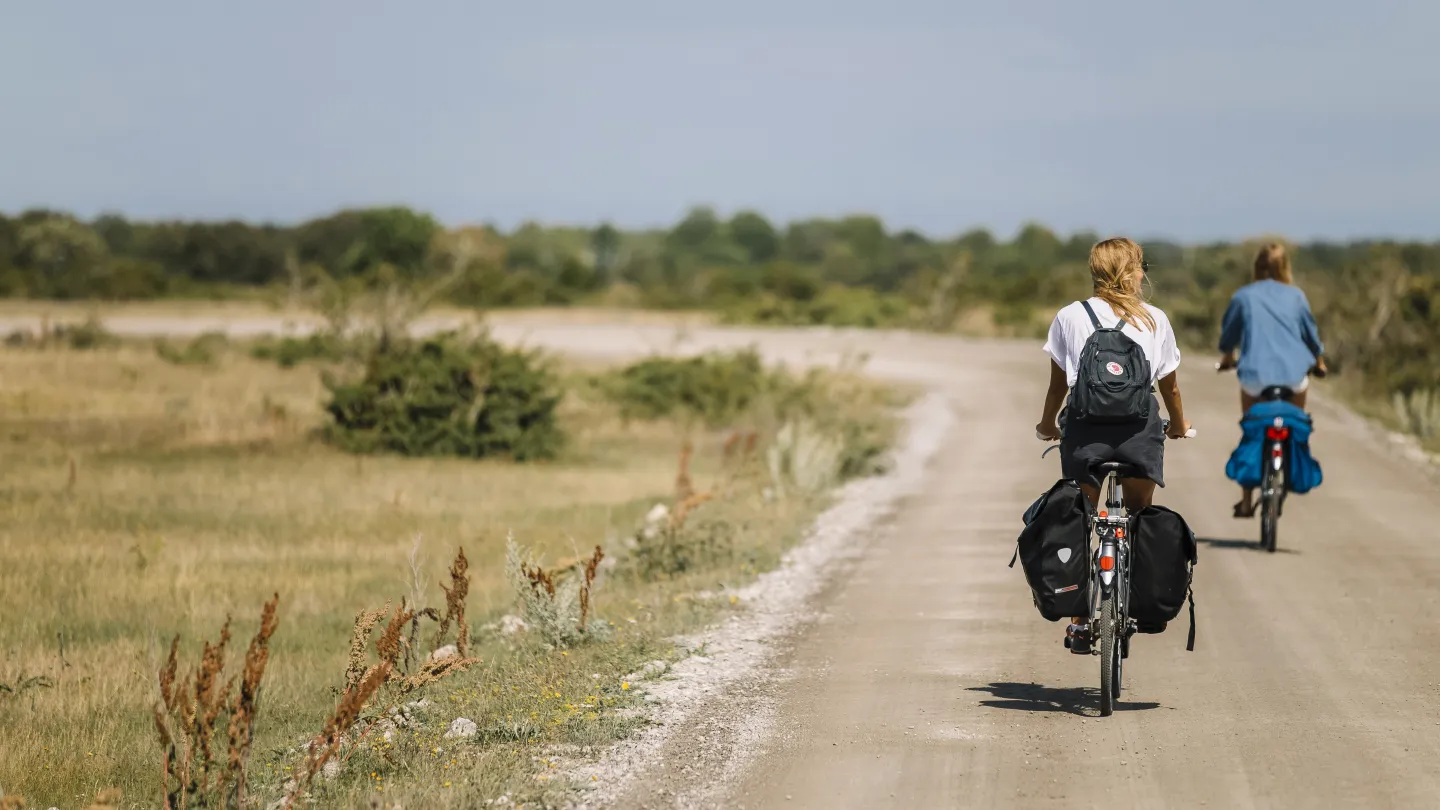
<point x="1072" y="327"/>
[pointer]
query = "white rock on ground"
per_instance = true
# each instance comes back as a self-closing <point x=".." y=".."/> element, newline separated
<point x="462" y="728"/>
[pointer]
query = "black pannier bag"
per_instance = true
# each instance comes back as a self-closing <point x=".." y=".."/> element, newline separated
<point x="1054" y="551"/>
<point x="1163" y="554"/>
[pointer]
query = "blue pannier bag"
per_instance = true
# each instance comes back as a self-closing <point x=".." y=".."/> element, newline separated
<point x="1247" y="464"/>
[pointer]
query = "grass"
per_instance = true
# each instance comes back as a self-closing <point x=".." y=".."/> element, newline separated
<point x="142" y="499"/>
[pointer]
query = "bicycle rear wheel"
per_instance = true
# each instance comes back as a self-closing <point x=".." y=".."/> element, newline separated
<point x="1109" y="656"/>
<point x="1269" y="525"/>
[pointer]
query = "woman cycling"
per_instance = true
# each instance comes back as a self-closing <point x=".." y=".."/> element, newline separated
<point x="1117" y="269"/>
<point x="1270" y="324"/>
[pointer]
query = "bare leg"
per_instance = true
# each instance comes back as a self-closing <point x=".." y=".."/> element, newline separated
<point x="1246" y="507"/>
<point x="1137" y="493"/>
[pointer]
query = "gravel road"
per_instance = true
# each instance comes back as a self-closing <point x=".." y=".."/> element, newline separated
<point x="918" y="674"/>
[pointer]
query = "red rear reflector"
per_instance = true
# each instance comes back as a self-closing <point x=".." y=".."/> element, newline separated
<point x="1278" y="433"/>
<point x="1104" y="514"/>
<point x="1107" y="563"/>
<point x="1120" y="533"/>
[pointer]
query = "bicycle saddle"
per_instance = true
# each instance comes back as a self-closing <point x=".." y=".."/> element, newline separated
<point x="1123" y="469"/>
<point x="1277" y="392"/>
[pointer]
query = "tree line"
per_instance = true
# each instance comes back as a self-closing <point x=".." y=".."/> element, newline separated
<point x="1378" y="301"/>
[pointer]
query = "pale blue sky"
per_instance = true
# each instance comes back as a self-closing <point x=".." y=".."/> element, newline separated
<point x="1194" y="120"/>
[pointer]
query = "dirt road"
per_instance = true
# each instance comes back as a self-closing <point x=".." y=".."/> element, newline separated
<point x="932" y="682"/>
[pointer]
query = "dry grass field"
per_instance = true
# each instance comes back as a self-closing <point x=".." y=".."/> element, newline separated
<point x="142" y="500"/>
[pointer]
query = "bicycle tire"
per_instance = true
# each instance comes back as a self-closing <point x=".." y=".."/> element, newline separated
<point x="1269" y="525"/>
<point x="1118" y="679"/>
<point x="1108" y="683"/>
<point x="1269" y="519"/>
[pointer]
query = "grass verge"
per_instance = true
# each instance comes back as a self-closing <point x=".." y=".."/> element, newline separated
<point x="145" y="499"/>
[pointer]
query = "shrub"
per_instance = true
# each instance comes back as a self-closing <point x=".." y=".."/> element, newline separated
<point x="715" y="387"/>
<point x="289" y="352"/>
<point x="670" y="545"/>
<point x="836" y="305"/>
<point x="1418" y="411"/>
<point x="805" y="458"/>
<point x="202" y="351"/>
<point x="722" y="388"/>
<point x="557" y="603"/>
<point x="91" y="334"/>
<point x="450" y="395"/>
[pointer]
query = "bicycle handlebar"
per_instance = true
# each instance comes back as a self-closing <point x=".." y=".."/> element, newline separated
<point x="1314" y="371"/>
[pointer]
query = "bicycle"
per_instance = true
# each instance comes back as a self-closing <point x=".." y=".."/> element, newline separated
<point x="1110" y="577"/>
<point x="1275" y="466"/>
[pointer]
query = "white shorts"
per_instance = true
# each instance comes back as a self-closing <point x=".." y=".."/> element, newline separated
<point x="1297" y="388"/>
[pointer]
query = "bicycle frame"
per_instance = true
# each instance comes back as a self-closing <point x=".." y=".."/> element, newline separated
<point x="1275" y="481"/>
<point x="1112" y="553"/>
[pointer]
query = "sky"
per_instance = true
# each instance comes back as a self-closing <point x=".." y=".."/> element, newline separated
<point x="1193" y="121"/>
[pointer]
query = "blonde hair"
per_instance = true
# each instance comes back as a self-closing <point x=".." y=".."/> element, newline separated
<point x="1116" y="270"/>
<point x="1273" y="262"/>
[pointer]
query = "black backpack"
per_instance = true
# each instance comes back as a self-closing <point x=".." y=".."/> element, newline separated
<point x="1113" y="384"/>
<point x="1054" y="551"/>
<point x="1163" y="556"/>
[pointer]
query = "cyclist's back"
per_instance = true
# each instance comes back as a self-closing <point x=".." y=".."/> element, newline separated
<point x="1271" y="325"/>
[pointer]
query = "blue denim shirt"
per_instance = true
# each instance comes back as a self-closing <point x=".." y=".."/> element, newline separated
<point x="1271" y="324"/>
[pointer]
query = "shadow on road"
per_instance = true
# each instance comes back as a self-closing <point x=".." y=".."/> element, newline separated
<point x="1247" y="545"/>
<point x="1034" y="697"/>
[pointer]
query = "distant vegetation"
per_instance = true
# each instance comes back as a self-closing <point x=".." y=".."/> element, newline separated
<point x="1378" y="302"/>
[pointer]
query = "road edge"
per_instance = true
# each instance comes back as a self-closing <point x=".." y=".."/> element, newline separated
<point x="775" y="605"/>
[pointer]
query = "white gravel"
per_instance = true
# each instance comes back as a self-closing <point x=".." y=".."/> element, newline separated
<point x="736" y="650"/>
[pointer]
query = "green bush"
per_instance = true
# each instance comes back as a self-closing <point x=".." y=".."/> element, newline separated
<point x="837" y="305"/>
<point x="714" y="388"/>
<point x="665" y="550"/>
<point x="202" y="351"/>
<point x="721" y="389"/>
<point x="289" y="352"/>
<point x="450" y="395"/>
<point x="91" y="334"/>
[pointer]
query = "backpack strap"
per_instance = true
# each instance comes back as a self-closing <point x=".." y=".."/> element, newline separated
<point x="1190" y="642"/>
<point x="1014" y="558"/>
<point x="1089" y="310"/>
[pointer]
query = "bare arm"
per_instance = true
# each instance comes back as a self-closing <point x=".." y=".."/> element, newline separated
<point x="1054" y="399"/>
<point x="1170" y="392"/>
<point x="1232" y="328"/>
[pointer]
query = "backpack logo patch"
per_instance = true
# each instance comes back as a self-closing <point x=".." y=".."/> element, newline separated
<point x="1064" y="555"/>
<point x="1114" y="368"/>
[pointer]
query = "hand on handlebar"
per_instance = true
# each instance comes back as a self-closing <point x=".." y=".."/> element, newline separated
<point x="1180" y="431"/>
<point x="1047" y="433"/>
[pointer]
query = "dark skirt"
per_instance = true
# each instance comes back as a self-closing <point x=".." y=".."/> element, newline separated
<point x="1086" y="445"/>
